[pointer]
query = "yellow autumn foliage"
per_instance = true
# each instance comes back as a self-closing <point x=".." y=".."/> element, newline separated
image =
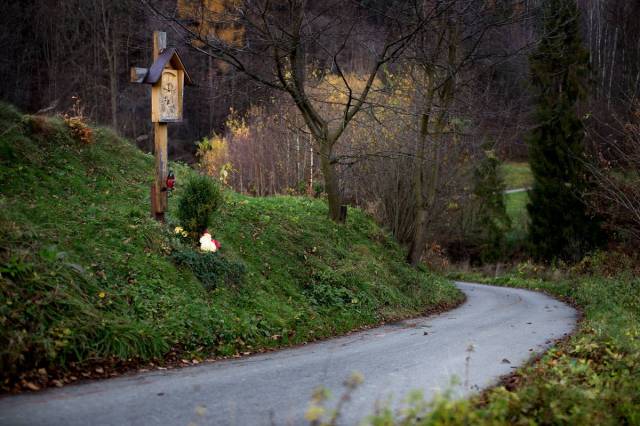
<point x="213" y="155"/>
<point x="212" y="19"/>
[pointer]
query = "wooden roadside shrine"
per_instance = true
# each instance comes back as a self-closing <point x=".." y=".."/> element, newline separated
<point x="167" y="77"/>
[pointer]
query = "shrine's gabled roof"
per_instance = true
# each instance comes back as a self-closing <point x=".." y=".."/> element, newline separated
<point x="168" y="56"/>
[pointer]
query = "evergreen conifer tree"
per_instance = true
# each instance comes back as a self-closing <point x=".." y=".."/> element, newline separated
<point x="492" y="221"/>
<point x="560" y="226"/>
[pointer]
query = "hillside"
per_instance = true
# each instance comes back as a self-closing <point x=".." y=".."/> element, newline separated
<point x="88" y="280"/>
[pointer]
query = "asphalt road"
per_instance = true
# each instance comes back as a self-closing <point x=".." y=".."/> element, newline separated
<point x="505" y="326"/>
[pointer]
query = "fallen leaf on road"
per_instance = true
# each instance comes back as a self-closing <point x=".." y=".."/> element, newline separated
<point x="32" y="386"/>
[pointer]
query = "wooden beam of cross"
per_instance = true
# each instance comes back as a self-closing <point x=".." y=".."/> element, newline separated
<point x="167" y="77"/>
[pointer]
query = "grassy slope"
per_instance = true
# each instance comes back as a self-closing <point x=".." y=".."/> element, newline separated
<point x="517" y="175"/>
<point x="516" y="204"/>
<point x="85" y="274"/>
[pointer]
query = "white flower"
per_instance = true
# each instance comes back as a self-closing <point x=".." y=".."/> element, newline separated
<point x="206" y="244"/>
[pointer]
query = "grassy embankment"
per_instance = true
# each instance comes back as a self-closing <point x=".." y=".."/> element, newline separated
<point x="87" y="278"/>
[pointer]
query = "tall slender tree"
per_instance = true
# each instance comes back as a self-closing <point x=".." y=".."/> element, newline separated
<point x="560" y="224"/>
<point x="492" y="220"/>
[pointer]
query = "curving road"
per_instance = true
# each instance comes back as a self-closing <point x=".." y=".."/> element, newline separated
<point x="505" y="326"/>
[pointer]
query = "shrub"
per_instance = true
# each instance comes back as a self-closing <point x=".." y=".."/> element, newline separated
<point x="212" y="269"/>
<point x="616" y="174"/>
<point x="330" y="288"/>
<point x="322" y="294"/>
<point x="77" y="123"/>
<point x="201" y="197"/>
<point x="213" y="155"/>
<point x="491" y="219"/>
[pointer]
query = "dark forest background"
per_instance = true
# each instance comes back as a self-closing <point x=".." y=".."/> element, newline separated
<point x="54" y="50"/>
<point x="57" y="53"/>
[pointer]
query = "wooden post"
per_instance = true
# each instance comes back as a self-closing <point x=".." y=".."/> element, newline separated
<point x="160" y="138"/>
<point x="167" y="77"/>
<point x="162" y="168"/>
<point x="159" y="43"/>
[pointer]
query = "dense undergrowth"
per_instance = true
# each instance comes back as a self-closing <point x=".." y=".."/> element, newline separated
<point x="87" y="276"/>
<point x="593" y="378"/>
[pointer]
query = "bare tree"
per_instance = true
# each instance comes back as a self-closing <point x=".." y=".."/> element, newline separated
<point x="441" y="56"/>
<point x="286" y="40"/>
<point x="616" y="172"/>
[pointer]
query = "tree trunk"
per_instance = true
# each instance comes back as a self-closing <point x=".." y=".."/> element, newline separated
<point x="310" y="191"/>
<point x="113" y="89"/>
<point x="420" y="205"/>
<point x="419" y="239"/>
<point x="331" y="185"/>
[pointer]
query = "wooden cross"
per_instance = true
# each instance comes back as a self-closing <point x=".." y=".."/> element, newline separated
<point x="167" y="76"/>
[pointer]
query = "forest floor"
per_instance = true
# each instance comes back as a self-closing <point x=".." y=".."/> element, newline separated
<point x="91" y="286"/>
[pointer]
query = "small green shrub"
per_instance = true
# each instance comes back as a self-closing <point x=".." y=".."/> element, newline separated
<point x="329" y="288"/>
<point x="326" y="295"/>
<point x="201" y="197"/>
<point x="302" y="188"/>
<point x="212" y="269"/>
